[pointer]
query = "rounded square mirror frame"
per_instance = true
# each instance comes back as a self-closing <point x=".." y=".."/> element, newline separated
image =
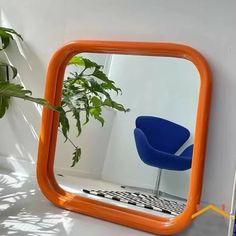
<point x="49" y="127"/>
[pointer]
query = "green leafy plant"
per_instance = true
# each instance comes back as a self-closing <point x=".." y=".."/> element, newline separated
<point x="8" y="89"/>
<point x="84" y="95"/>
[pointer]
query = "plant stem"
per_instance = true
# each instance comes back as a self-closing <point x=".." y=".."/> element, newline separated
<point x="69" y="140"/>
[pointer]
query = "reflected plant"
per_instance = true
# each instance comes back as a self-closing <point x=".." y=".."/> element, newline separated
<point x="86" y="93"/>
<point x="8" y="88"/>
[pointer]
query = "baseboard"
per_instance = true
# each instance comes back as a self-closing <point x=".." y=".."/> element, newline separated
<point x="76" y="173"/>
<point x="24" y="167"/>
<point x="18" y="165"/>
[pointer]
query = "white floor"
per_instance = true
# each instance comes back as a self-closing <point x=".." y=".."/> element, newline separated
<point x="25" y="211"/>
<point x="76" y="184"/>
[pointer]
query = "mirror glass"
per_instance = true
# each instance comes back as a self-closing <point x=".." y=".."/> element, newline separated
<point x="139" y="159"/>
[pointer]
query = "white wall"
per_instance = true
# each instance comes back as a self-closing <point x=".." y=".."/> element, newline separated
<point x="206" y="25"/>
<point x="157" y="86"/>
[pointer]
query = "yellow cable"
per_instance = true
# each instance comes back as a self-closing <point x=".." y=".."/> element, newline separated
<point x="224" y="214"/>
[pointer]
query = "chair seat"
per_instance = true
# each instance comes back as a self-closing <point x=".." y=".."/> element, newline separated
<point x="160" y="159"/>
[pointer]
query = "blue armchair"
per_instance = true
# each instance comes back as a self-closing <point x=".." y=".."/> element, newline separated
<point x="157" y="140"/>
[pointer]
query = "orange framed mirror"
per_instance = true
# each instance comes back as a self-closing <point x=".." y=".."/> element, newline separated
<point x="49" y="127"/>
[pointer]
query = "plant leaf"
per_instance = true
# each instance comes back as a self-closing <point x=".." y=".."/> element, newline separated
<point x="76" y="114"/>
<point x="76" y="61"/>
<point x="115" y="105"/>
<point x="12" y="31"/>
<point x="96" y="101"/>
<point x="64" y="123"/>
<point x="101" y="75"/>
<point x="6" y="36"/>
<point x="96" y="113"/>
<point x="8" y="90"/>
<point x="4" y="104"/>
<point x="110" y="86"/>
<point x="80" y="61"/>
<point x="86" y="117"/>
<point x="13" y="69"/>
<point x="76" y="156"/>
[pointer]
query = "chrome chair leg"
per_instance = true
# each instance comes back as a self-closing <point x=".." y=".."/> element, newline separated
<point x="157" y="185"/>
<point x="155" y="191"/>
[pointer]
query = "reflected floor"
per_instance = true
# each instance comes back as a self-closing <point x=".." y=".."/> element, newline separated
<point x="78" y="184"/>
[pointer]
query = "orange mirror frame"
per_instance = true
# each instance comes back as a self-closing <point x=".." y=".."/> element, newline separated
<point x="49" y="128"/>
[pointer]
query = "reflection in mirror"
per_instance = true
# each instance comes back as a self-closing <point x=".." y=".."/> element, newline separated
<point x="140" y="159"/>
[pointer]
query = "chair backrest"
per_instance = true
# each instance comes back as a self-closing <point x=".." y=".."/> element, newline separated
<point x="162" y="134"/>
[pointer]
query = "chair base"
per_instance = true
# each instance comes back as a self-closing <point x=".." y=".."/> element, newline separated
<point x="154" y="192"/>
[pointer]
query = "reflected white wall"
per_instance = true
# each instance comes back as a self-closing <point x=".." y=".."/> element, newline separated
<point x="158" y="86"/>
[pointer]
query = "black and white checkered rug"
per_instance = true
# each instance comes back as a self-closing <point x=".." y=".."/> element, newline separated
<point x="142" y="200"/>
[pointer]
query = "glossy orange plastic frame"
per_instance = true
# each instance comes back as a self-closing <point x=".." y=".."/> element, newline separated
<point x="49" y="127"/>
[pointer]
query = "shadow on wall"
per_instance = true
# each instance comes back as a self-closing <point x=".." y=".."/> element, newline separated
<point x="21" y="123"/>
